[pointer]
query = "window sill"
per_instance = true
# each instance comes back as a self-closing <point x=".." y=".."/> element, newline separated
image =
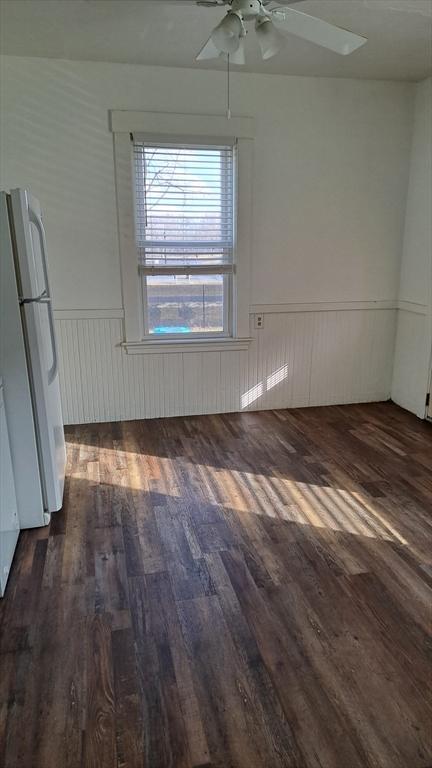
<point x="187" y="345"/>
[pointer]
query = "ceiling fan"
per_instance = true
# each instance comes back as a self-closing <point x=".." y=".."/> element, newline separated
<point x="227" y="38"/>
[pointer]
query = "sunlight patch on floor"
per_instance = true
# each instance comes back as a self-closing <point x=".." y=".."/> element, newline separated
<point x="245" y="492"/>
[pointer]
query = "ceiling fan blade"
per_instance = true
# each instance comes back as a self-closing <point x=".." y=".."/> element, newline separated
<point x="278" y="3"/>
<point x="204" y="3"/>
<point x="317" y="31"/>
<point x="208" y="51"/>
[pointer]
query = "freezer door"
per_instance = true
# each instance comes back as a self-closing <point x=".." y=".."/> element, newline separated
<point x="38" y="324"/>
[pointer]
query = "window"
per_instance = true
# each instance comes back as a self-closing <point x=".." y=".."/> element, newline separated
<point x="185" y="248"/>
<point x="184" y="228"/>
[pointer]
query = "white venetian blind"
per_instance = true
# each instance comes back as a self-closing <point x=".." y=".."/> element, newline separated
<point x="183" y="206"/>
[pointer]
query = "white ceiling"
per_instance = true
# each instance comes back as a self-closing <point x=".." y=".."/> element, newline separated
<point x="170" y="34"/>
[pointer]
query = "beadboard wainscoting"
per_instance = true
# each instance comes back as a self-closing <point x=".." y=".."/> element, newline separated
<point x="412" y="357"/>
<point x="299" y="358"/>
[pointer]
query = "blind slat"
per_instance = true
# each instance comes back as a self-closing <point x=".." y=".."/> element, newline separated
<point x="183" y="205"/>
<point x="204" y="269"/>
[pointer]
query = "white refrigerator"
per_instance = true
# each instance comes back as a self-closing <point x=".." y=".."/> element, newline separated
<point x="29" y="363"/>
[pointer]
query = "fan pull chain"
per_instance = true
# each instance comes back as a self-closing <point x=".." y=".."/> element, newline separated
<point x="228" y="88"/>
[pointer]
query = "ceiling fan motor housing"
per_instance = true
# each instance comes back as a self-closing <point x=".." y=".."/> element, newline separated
<point x="249" y="9"/>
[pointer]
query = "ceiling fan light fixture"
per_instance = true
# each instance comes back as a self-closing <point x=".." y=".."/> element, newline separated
<point x="269" y="39"/>
<point x="238" y="57"/>
<point x="226" y="36"/>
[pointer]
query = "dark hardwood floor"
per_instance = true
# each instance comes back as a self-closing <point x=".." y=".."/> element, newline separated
<point x="238" y="591"/>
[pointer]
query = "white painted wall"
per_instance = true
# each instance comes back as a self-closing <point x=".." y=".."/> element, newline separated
<point x="331" y="169"/>
<point x="414" y="326"/>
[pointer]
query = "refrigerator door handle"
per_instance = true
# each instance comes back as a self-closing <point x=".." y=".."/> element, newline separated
<point x="37" y="221"/>
<point x="52" y="373"/>
<point x="45" y="297"/>
<point x="42" y="299"/>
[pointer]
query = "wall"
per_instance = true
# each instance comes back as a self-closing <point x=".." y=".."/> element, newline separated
<point x="414" y="325"/>
<point x="331" y="165"/>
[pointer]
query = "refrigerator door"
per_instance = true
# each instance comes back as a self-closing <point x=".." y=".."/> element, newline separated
<point x="16" y="386"/>
<point x="38" y="324"/>
<point x="9" y="525"/>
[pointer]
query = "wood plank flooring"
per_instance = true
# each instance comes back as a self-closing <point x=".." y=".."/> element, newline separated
<point x="237" y="591"/>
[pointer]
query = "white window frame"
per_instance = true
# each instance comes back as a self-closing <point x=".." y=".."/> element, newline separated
<point x="187" y="129"/>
